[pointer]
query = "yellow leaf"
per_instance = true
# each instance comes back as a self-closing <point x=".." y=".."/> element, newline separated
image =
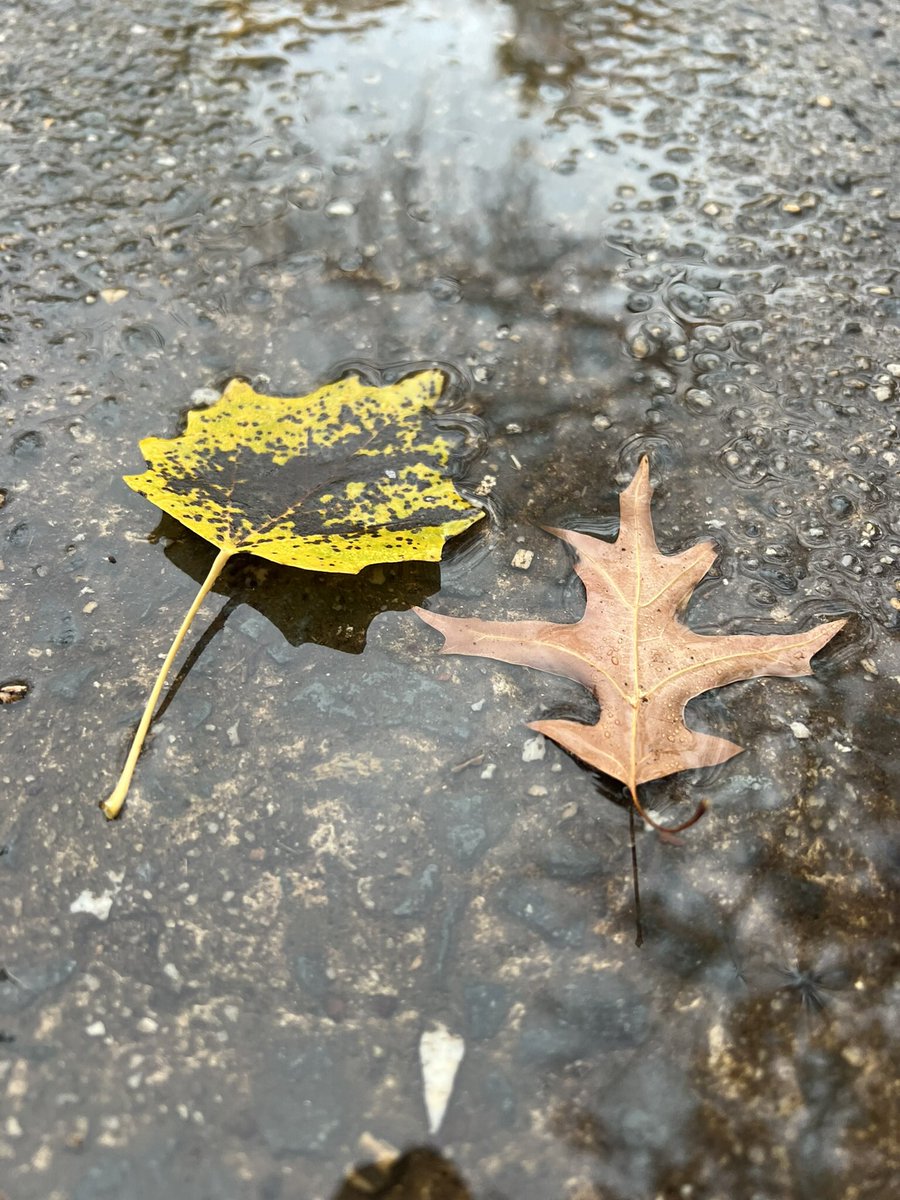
<point x="340" y="479"/>
<point x="347" y="476"/>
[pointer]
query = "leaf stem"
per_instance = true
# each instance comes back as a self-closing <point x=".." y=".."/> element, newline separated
<point x="638" y="927"/>
<point x="112" y="805"/>
<point x="698" y="813"/>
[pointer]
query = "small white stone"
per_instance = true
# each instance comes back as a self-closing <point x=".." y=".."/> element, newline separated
<point x="147" y="1025"/>
<point x="522" y="559"/>
<point x="799" y="730"/>
<point x="340" y="208"/>
<point x="204" y="395"/>
<point x="477" y="706"/>
<point x="97" y="906"/>
<point x="534" y="749"/>
<point x="96" y="1029"/>
<point x="440" y="1053"/>
<point x="488" y="772"/>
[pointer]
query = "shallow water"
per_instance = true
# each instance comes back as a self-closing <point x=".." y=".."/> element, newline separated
<point x="622" y="229"/>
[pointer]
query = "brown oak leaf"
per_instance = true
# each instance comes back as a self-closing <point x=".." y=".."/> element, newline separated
<point x="634" y="653"/>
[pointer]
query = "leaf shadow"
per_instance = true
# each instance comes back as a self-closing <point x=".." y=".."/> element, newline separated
<point x="327" y="608"/>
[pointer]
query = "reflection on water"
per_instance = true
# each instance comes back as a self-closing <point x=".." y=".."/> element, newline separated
<point x="309" y="606"/>
<point x="660" y="228"/>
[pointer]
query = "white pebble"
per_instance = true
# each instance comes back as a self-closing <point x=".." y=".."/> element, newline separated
<point x="97" y="906"/>
<point x="340" y="208"/>
<point x="204" y="395"/>
<point x="534" y="749"/>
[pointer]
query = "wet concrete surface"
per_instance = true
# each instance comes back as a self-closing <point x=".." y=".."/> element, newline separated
<point x="661" y="228"/>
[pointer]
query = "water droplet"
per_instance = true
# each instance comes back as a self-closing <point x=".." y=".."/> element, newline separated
<point x="445" y="289"/>
<point x="664" y="181"/>
<point x="143" y="338"/>
<point x="345" y="165"/>
<point x="27" y="445"/>
<point x="639" y="302"/>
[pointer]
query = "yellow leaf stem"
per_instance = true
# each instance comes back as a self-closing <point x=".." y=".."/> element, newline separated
<point x="112" y="805"/>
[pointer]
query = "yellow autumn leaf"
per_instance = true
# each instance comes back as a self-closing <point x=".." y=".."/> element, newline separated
<point x="347" y="476"/>
<point x="334" y="481"/>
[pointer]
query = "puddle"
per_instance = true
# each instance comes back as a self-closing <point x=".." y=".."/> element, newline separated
<point x="631" y="229"/>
